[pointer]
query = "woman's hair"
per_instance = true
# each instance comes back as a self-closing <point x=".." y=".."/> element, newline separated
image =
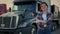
<point x="41" y="4"/>
<point x="44" y="3"/>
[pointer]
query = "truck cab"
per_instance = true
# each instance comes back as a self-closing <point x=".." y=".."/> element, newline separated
<point x="20" y="20"/>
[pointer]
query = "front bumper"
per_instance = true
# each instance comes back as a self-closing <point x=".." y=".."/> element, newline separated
<point x="16" y="31"/>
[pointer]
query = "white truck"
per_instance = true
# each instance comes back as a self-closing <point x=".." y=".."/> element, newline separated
<point x="56" y="18"/>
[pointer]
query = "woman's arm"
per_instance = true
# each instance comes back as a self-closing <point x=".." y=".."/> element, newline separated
<point x="39" y="21"/>
<point x="51" y="17"/>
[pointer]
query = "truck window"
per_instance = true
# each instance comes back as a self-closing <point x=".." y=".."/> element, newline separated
<point x="38" y="7"/>
<point x="15" y="7"/>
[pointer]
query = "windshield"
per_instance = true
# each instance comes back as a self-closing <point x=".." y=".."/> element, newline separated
<point x="22" y="7"/>
<point x="15" y="7"/>
<point x="25" y="9"/>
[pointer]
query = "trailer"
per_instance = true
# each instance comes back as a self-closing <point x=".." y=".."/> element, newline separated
<point x="56" y="18"/>
<point x="3" y="8"/>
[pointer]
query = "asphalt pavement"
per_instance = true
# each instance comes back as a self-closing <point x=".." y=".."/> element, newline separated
<point x="57" y="31"/>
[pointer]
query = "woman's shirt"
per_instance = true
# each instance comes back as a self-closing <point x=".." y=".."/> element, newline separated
<point x="46" y="17"/>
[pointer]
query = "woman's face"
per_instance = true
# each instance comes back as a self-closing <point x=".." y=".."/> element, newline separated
<point x="43" y="7"/>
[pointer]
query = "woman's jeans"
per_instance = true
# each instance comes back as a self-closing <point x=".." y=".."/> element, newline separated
<point x="45" y="31"/>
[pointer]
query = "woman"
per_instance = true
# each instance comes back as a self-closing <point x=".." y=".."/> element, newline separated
<point x="42" y="19"/>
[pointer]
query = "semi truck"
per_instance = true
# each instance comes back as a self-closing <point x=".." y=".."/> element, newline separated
<point x="20" y="19"/>
<point x="56" y="18"/>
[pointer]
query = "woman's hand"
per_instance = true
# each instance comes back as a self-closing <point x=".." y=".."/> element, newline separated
<point x="50" y="18"/>
<point x="44" y="21"/>
<point x="40" y="21"/>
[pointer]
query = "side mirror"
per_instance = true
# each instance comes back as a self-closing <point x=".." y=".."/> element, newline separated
<point x="22" y="16"/>
<point x="34" y="14"/>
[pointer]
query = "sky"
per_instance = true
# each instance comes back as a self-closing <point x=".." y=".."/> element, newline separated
<point x="10" y="3"/>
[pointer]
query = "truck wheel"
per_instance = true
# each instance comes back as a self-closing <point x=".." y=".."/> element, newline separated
<point x="52" y="28"/>
<point x="33" y="30"/>
<point x="55" y="26"/>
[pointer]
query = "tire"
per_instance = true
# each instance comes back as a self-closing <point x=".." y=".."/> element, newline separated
<point x="33" y="30"/>
<point x="53" y="27"/>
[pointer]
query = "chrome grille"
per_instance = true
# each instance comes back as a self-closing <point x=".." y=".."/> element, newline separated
<point x="8" y="22"/>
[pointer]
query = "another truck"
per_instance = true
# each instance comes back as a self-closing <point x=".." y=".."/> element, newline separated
<point x="3" y="9"/>
<point x="56" y="18"/>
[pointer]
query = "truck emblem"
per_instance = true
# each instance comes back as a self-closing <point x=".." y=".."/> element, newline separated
<point x="2" y="25"/>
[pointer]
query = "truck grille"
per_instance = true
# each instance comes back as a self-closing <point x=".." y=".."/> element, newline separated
<point x="8" y="22"/>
